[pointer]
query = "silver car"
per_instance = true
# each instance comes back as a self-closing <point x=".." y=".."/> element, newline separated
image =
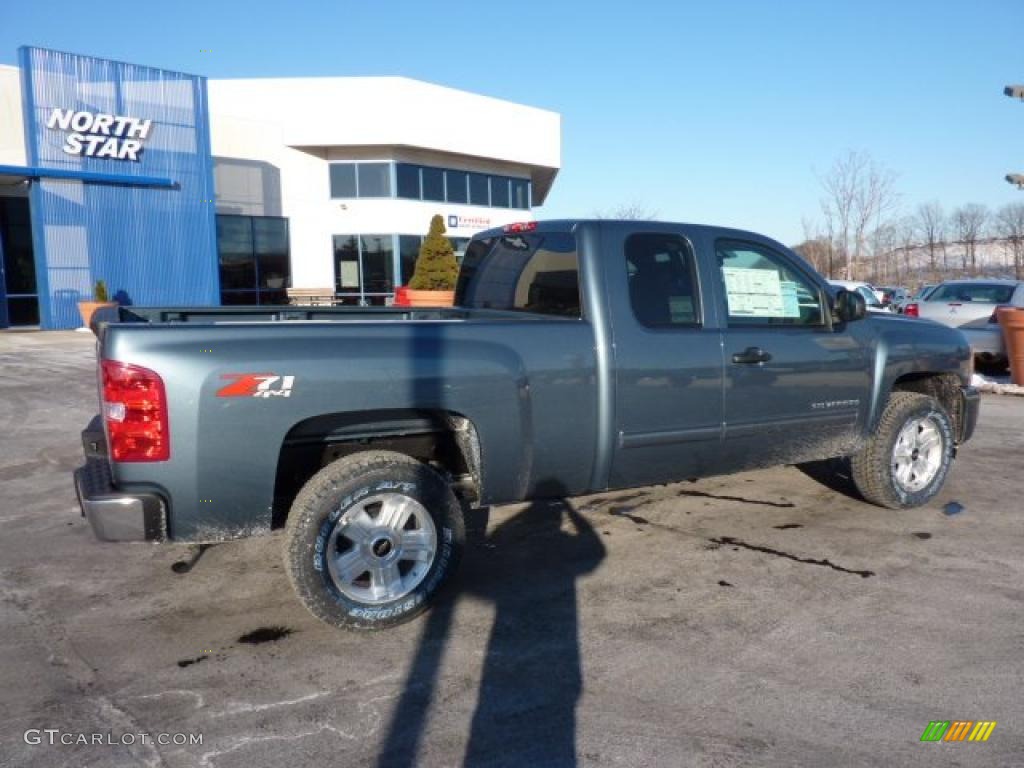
<point x="970" y="306"/>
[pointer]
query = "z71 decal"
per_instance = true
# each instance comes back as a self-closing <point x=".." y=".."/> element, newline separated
<point x="256" y="385"/>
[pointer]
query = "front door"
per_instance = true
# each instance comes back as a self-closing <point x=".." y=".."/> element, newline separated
<point x="19" y="302"/>
<point x="795" y="383"/>
<point x="668" y="364"/>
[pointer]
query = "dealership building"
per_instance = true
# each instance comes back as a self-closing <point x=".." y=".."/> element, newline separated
<point x="175" y="190"/>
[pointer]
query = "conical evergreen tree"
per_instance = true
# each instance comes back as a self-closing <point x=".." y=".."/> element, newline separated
<point x="436" y="267"/>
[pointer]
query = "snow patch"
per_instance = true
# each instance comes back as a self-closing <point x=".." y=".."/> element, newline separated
<point x="998" y="386"/>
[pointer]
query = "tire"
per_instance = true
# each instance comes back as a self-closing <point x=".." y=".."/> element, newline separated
<point x="905" y="462"/>
<point x="377" y="511"/>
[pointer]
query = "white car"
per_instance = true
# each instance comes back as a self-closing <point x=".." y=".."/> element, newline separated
<point x="871" y="299"/>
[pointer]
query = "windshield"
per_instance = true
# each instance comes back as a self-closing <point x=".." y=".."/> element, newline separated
<point x="988" y="293"/>
<point x="870" y="298"/>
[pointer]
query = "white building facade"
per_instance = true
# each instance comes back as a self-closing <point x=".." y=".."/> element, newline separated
<point x="358" y="166"/>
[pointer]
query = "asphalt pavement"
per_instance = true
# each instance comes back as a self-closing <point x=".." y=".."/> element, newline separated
<point x="762" y="619"/>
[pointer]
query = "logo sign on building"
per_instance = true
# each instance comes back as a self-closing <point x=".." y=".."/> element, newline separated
<point x="470" y="222"/>
<point x="99" y="135"/>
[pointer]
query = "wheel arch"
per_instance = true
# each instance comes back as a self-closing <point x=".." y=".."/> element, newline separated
<point x="446" y="440"/>
<point x="944" y="387"/>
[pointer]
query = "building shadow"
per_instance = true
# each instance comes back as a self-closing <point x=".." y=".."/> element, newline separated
<point x="532" y="674"/>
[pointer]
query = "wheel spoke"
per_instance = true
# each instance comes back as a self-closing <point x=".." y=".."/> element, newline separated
<point x="386" y="578"/>
<point x="357" y="526"/>
<point x="928" y="441"/>
<point x="350" y="565"/>
<point x="417" y="545"/>
<point x="395" y="511"/>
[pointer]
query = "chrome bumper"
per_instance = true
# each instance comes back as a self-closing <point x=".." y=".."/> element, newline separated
<point x="114" y="515"/>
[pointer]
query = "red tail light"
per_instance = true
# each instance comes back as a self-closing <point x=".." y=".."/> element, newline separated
<point x="911" y="310"/>
<point x="135" y="413"/>
<point x="521" y="226"/>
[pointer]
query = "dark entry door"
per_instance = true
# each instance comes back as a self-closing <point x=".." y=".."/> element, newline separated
<point x="19" y="300"/>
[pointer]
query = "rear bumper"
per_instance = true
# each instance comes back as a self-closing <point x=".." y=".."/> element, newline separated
<point x="985" y="342"/>
<point x="970" y="404"/>
<point x="113" y="514"/>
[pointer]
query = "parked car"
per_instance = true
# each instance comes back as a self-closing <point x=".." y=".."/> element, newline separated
<point x="869" y="294"/>
<point x="892" y="295"/>
<point x="970" y="305"/>
<point x="581" y="356"/>
<point x="920" y="295"/>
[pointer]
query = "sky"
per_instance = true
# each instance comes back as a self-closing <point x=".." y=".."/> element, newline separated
<point x="725" y="112"/>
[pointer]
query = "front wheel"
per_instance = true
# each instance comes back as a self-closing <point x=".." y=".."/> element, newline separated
<point x="371" y="538"/>
<point x="905" y="462"/>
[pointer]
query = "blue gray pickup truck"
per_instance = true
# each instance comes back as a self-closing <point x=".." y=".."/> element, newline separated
<point x="581" y="356"/>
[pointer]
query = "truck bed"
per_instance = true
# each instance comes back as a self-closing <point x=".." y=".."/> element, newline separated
<point x="279" y="313"/>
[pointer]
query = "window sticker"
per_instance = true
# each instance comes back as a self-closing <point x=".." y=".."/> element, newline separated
<point x="759" y="293"/>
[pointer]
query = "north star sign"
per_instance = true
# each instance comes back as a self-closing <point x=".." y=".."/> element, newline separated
<point x="91" y="134"/>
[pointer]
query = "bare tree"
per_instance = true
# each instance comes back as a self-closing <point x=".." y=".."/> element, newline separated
<point x="633" y="211"/>
<point x="1010" y="224"/>
<point x="969" y="221"/>
<point x="931" y="224"/>
<point x="858" y="195"/>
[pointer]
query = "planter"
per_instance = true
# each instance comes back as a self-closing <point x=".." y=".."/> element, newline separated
<point x="88" y="308"/>
<point x="1011" y="319"/>
<point x="429" y="298"/>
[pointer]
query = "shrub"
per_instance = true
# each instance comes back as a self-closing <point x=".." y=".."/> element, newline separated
<point x="99" y="291"/>
<point x="436" y="267"/>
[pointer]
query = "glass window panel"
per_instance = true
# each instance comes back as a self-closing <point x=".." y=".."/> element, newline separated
<point x="530" y="273"/>
<point x="23" y="311"/>
<point x="499" y="191"/>
<point x="763" y="288"/>
<point x="433" y="184"/>
<point x="408" y="180"/>
<point x="346" y="263"/>
<point x="270" y="239"/>
<point x="235" y="252"/>
<point x="236" y="298"/>
<point x="662" y="288"/>
<point x="343" y="180"/>
<point x="374" y="179"/>
<point x="273" y="297"/>
<point x="478" y="189"/>
<point x="520" y="193"/>
<point x="378" y="264"/>
<point x="16" y="234"/>
<point x="408" y="251"/>
<point x="457" y="186"/>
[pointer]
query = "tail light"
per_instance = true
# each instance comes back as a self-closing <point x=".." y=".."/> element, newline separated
<point x="911" y="310"/>
<point x="521" y="226"/>
<point x="135" y="412"/>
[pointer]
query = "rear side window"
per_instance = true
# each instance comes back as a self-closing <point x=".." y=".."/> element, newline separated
<point x="762" y="287"/>
<point x="988" y="293"/>
<point x="662" y="281"/>
<point x="527" y="272"/>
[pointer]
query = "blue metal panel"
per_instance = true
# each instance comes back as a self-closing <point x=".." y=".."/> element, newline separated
<point x="151" y="245"/>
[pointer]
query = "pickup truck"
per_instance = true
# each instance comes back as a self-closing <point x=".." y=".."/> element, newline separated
<point x="580" y="356"/>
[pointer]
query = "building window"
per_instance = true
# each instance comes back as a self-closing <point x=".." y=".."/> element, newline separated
<point x="364" y="268"/>
<point x="408" y="181"/>
<point x="408" y="252"/>
<point x="456" y="186"/>
<point x="343" y="180"/>
<point x="479" y="189"/>
<point x="421" y="182"/>
<point x="255" y="265"/>
<point x="499" y="191"/>
<point x="433" y="184"/>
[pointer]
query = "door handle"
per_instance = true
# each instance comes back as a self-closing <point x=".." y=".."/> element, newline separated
<point x="751" y="356"/>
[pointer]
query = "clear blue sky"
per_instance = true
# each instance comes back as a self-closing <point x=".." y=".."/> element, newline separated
<point x="715" y="111"/>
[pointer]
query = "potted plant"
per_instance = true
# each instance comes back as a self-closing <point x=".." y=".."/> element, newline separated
<point x="433" y="280"/>
<point x="100" y="299"/>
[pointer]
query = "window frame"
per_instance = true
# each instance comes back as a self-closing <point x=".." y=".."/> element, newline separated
<point x="793" y="266"/>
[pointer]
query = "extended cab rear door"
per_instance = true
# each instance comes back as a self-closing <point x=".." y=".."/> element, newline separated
<point x="795" y="382"/>
<point x="667" y="356"/>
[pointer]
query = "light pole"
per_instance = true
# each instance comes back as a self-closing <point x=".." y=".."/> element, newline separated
<point x="1015" y="92"/>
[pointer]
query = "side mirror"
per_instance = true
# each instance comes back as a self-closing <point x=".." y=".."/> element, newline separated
<point x="850" y="306"/>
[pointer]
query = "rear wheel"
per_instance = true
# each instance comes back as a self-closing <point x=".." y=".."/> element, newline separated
<point x="371" y="538"/>
<point x="905" y="462"/>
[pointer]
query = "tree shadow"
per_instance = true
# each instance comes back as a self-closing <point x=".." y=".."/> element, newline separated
<point x="532" y="675"/>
